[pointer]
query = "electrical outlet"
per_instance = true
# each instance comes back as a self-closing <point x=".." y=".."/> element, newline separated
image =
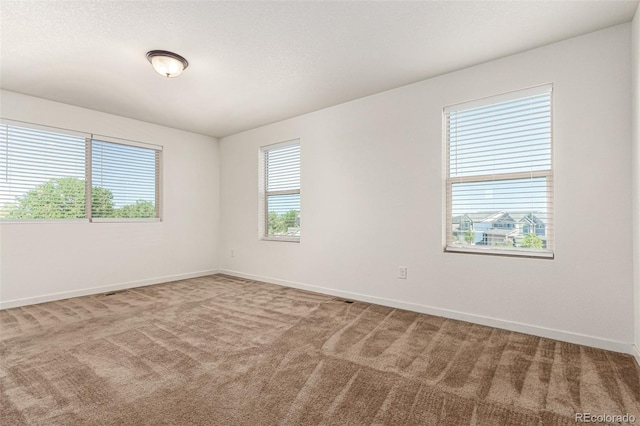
<point x="403" y="273"/>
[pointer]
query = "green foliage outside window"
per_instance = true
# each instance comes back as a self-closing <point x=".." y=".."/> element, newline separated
<point x="64" y="198"/>
<point x="532" y="241"/>
<point x="279" y="224"/>
<point x="469" y="236"/>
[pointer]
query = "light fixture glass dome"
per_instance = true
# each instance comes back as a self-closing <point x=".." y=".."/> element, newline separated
<point x="167" y="64"/>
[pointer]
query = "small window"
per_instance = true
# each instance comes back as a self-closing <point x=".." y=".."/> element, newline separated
<point x="280" y="191"/>
<point x="51" y="174"/>
<point x="499" y="175"/>
<point x="125" y="180"/>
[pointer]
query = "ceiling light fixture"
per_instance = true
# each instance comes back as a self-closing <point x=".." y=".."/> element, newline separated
<point x="167" y="64"/>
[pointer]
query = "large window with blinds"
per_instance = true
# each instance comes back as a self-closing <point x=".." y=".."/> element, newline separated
<point x="499" y="174"/>
<point x="54" y="174"/>
<point x="279" y="191"/>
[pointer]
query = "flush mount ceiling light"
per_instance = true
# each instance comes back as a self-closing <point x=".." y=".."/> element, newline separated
<point x="167" y="64"/>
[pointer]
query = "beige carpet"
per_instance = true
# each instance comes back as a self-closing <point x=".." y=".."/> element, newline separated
<point x="226" y="351"/>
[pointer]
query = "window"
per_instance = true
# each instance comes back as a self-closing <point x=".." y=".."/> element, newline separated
<point x="125" y="180"/>
<point x="499" y="175"/>
<point x="42" y="173"/>
<point x="280" y="191"/>
<point x="49" y="174"/>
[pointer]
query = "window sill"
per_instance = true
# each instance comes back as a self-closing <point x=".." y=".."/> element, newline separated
<point x="542" y="254"/>
<point x="41" y="221"/>
<point x="70" y="221"/>
<point x="282" y="239"/>
<point x="124" y="220"/>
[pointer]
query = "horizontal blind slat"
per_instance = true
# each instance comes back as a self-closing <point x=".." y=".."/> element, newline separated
<point x="500" y="105"/>
<point x="524" y="111"/>
<point x="502" y="123"/>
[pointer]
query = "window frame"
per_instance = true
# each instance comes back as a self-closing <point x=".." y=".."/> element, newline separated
<point x="158" y="180"/>
<point x="263" y="194"/>
<point x="88" y="139"/>
<point x="448" y="181"/>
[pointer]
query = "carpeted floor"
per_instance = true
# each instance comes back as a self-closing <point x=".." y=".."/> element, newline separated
<point x="220" y="350"/>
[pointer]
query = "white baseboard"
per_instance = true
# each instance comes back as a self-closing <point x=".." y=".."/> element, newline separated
<point x="5" y="304"/>
<point x="565" y="336"/>
<point x="636" y="353"/>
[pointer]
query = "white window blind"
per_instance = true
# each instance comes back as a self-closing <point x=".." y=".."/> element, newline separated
<point x="48" y="174"/>
<point x="42" y="173"/>
<point x="499" y="185"/>
<point x="281" y="191"/>
<point x="125" y="180"/>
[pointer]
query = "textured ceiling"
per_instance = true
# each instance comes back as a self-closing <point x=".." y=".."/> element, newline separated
<point x="253" y="63"/>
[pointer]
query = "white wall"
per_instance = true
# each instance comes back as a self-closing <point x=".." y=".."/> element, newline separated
<point x="46" y="261"/>
<point x="372" y="200"/>
<point x="635" y="114"/>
